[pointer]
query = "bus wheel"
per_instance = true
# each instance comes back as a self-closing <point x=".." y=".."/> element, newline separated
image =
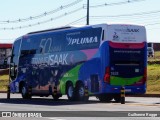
<point x="117" y="98"/>
<point x="81" y="93"/>
<point x="105" y="97"/>
<point x="24" y="92"/>
<point x="70" y="91"/>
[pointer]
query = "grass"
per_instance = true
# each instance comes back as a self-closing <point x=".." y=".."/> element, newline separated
<point x="3" y="82"/>
<point x="156" y="56"/>
<point x="153" y="74"/>
<point x="153" y="82"/>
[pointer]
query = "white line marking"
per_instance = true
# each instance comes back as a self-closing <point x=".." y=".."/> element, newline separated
<point x="56" y="119"/>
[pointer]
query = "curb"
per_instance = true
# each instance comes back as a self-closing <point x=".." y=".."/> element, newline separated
<point x="145" y="95"/>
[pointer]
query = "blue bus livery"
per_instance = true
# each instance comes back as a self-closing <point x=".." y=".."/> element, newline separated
<point x="94" y="60"/>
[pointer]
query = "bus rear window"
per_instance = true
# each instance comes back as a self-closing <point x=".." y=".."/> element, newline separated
<point x="128" y="63"/>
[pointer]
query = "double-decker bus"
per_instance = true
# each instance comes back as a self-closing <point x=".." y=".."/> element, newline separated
<point x="5" y="51"/>
<point x="79" y="62"/>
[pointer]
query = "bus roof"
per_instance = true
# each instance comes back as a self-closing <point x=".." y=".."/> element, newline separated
<point x="82" y="26"/>
<point x="103" y="26"/>
<point x="48" y="30"/>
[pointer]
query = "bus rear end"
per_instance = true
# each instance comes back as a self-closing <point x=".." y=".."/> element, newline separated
<point x="127" y="58"/>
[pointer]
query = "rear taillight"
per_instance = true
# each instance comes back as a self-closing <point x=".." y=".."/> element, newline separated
<point x="107" y="75"/>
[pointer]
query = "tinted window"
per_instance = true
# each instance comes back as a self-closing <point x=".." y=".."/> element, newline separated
<point x="15" y="57"/>
<point x="30" y="45"/>
<point x="69" y="40"/>
<point x="83" y="39"/>
<point x="127" y="56"/>
<point x="16" y="47"/>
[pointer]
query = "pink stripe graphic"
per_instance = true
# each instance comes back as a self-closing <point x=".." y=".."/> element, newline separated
<point x="90" y="53"/>
<point x="127" y="45"/>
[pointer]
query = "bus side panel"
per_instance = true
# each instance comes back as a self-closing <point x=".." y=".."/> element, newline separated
<point x="104" y="51"/>
<point x="90" y="74"/>
<point x="92" y="71"/>
<point x="79" y="60"/>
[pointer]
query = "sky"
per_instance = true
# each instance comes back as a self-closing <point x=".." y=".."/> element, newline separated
<point x="19" y="17"/>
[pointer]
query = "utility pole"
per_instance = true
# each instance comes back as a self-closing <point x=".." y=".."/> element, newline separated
<point x="87" y="12"/>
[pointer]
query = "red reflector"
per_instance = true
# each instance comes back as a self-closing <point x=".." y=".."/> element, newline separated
<point x="144" y="78"/>
<point x="107" y="75"/>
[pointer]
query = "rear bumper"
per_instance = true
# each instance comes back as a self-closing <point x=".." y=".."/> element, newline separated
<point x="130" y="90"/>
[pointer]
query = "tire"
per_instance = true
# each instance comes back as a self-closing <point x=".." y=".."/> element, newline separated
<point x="80" y="93"/>
<point x="117" y="98"/>
<point x="25" y="93"/>
<point x="105" y="98"/>
<point x="70" y="91"/>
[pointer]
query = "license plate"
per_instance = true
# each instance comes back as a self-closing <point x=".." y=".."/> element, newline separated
<point x="127" y="90"/>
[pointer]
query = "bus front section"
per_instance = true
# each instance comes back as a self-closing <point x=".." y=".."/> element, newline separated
<point x="127" y="59"/>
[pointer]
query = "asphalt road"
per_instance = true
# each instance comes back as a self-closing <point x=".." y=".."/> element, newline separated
<point x="70" y="110"/>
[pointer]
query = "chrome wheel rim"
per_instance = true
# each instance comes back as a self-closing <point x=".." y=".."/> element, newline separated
<point x="81" y="91"/>
<point x="24" y="91"/>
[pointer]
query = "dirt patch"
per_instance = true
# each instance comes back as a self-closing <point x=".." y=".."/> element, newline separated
<point x="4" y="72"/>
